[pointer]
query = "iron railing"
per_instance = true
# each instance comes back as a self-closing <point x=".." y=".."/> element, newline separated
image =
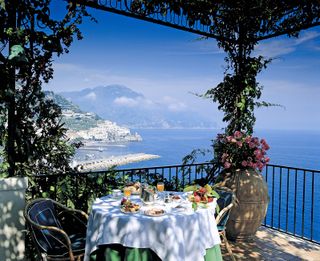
<point x="294" y="206"/>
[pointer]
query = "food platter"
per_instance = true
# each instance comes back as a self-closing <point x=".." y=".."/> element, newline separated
<point x="128" y="207"/>
<point x="130" y="211"/>
<point x="155" y="212"/>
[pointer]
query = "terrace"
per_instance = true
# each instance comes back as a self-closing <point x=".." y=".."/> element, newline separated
<point x="288" y="231"/>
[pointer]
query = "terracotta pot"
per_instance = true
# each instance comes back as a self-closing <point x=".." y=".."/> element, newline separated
<point x="252" y="202"/>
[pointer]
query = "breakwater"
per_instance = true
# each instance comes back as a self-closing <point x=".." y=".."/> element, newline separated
<point x="106" y="163"/>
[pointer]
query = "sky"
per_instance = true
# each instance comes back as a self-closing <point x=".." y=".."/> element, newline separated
<point x="168" y="66"/>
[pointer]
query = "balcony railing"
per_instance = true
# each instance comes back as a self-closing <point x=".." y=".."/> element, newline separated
<point x="294" y="206"/>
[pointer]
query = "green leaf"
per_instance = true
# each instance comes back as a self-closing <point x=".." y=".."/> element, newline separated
<point x="194" y="206"/>
<point x="17" y="54"/>
<point x="2" y="4"/>
<point x="45" y="194"/>
<point x="190" y="188"/>
<point x="214" y="194"/>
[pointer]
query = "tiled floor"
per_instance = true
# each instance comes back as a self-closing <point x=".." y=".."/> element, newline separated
<point x="272" y="245"/>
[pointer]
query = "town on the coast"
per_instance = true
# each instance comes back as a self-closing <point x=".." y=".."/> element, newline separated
<point x="96" y="134"/>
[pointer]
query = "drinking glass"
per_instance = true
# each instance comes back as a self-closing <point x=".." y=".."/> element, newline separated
<point x="127" y="192"/>
<point x="160" y="186"/>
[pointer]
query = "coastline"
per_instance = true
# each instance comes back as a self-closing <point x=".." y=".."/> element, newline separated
<point x="106" y="163"/>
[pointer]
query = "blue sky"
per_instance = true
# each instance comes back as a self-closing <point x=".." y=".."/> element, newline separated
<point x="167" y="65"/>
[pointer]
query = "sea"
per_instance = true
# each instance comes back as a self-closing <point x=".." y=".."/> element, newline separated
<point x="292" y="212"/>
<point x="293" y="148"/>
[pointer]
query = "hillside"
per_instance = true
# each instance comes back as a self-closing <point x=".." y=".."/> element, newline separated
<point x="74" y="118"/>
<point x="129" y="108"/>
<point x="88" y="126"/>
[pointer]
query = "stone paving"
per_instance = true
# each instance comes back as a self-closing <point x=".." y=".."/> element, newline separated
<point x="273" y="245"/>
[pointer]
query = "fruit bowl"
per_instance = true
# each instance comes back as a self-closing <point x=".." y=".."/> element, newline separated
<point x="201" y="195"/>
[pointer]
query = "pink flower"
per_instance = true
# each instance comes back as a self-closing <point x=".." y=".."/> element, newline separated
<point x="238" y="134"/>
<point x="224" y="157"/>
<point x="260" y="166"/>
<point x="244" y="151"/>
<point x="265" y="146"/>
<point x="244" y="163"/>
<point x="227" y="165"/>
<point x="252" y="145"/>
<point x="259" y="156"/>
<point x="256" y="141"/>
<point x="257" y="152"/>
<point x="254" y="165"/>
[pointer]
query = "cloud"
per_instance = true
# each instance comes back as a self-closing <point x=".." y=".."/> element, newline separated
<point x="274" y="48"/>
<point x="91" y="96"/>
<point x="134" y="102"/>
<point x="173" y="104"/>
<point x="125" y="101"/>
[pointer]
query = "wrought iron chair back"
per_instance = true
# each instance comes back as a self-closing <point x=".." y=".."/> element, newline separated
<point x="225" y="203"/>
<point x="57" y="231"/>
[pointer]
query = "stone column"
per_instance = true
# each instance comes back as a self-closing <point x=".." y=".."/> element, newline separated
<point x="12" y="223"/>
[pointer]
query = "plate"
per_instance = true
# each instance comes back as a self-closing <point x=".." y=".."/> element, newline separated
<point x="155" y="212"/>
<point x="176" y="198"/>
<point x="179" y="208"/>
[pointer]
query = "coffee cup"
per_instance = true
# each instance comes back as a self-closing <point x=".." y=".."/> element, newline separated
<point x="116" y="193"/>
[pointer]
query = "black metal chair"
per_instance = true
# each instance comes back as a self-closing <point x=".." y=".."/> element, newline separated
<point x="225" y="203"/>
<point x="58" y="232"/>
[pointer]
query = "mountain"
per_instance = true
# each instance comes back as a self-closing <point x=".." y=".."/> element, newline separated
<point x="126" y="107"/>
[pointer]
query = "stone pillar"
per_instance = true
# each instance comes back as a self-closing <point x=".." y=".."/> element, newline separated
<point x="12" y="223"/>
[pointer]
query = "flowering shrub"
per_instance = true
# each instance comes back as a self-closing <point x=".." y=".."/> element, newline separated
<point x="240" y="151"/>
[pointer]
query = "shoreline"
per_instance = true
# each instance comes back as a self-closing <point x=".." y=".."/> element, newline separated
<point x="106" y="163"/>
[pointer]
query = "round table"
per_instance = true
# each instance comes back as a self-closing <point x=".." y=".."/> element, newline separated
<point x="186" y="235"/>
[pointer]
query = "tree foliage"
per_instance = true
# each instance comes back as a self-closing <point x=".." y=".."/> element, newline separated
<point x="32" y="134"/>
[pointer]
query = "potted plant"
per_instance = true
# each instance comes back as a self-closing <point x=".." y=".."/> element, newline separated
<point x="242" y="157"/>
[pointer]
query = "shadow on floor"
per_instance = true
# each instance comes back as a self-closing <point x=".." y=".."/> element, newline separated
<point x="270" y="245"/>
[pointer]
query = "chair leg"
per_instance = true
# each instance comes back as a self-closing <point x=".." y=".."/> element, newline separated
<point x="223" y="234"/>
<point x="44" y="257"/>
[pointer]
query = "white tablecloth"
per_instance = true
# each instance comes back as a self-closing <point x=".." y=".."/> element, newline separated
<point x="175" y="236"/>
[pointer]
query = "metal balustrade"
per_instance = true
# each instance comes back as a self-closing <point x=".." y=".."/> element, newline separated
<point x="294" y="206"/>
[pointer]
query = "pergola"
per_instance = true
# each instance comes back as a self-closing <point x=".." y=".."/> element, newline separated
<point x="207" y="18"/>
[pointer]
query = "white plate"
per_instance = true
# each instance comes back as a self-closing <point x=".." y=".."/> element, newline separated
<point x="148" y="212"/>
